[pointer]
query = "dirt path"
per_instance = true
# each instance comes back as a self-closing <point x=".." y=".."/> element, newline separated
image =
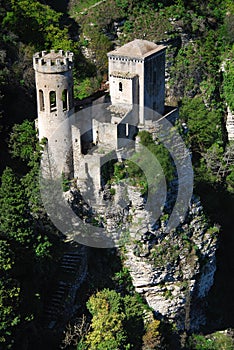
<point x="92" y="6"/>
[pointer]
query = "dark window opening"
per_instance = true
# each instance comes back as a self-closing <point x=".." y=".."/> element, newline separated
<point x="41" y="101"/>
<point x="53" y="106"/>
<point x="70" y="95"/>
<point x="64" y="99"/>
<point x="120" y="86"/>
<point x="127" y="129"/>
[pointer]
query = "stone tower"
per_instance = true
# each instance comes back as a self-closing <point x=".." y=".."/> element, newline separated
<point x="137" y="76"/>
<point x="54" y="85"/>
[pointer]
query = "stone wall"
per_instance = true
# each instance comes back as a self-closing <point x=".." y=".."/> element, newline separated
<point x="124" y="88"/>
<point x="105" y="134"/>
<point x="154" y="82"/>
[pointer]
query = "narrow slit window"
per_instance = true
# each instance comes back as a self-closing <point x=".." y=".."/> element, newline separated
<point x="53" y="106"/>
<point x="127" y="129"/>
<point x="64" y="99"/>
<point x="120" y="86"/>
<point x="41" y="101"/>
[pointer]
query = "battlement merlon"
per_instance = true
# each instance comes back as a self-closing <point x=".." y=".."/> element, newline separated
<point x="53" y="62"/>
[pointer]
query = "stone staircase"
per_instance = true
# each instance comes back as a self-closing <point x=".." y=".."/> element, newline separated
<point x="70" y="262"/>
<point x="71" y="274"/>
<point x="55" y="308"/>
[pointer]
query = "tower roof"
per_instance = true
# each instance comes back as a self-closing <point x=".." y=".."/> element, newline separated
<point x="137" y="48"/>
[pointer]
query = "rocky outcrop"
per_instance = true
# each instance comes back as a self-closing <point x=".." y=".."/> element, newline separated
<point x="174" y="271"/>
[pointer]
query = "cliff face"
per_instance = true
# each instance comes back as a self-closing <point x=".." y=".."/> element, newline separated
<point x="174" y="271"/>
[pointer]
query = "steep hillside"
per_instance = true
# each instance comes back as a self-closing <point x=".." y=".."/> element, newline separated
<point x="200" y="79"/>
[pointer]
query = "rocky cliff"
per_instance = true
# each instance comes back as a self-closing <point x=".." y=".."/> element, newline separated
<point x="174" y="271"/>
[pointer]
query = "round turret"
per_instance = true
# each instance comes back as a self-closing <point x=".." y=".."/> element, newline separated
<point x="54" y="85"/>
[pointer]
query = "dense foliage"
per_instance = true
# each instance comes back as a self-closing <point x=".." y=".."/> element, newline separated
<point x="118" y="323"/>
<point x="113" y="318"/>
<point x="200" y="67"/>
<point x="25" y="246"/>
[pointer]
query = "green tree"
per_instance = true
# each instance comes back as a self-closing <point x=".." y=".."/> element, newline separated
<point x="100" y="45"/>
<point x="107" y="330"/>
<point x="204" y="125"/>
<point x="6" y="257"/>
<point x="228" y="81"/>
<point x="9" y="316"/>
<point x="117" y="321"/>
<point x="24" y="143"/>
<point x="133" y="322"/>
<point x="15" y="219"/>
<point x="37" y="23"/>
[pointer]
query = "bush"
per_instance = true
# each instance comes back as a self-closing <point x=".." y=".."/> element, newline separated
<point x="117" y="321"/>
<point x="204" y="125"/>
<point x="215" y="341"/>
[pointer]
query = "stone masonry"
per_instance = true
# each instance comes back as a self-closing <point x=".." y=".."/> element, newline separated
<point x="137" y="80"/>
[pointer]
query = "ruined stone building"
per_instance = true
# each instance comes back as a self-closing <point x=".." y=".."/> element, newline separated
<point x="81" y="140"/>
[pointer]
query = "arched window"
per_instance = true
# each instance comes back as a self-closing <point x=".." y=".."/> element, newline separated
<point x="53" y="106"/>
<point x="64" y="99"/>
<point x="41" y="101"/>
<point x="120" y="86"/>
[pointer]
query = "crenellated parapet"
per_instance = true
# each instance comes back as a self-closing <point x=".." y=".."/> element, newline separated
<point x="53" y="61"/>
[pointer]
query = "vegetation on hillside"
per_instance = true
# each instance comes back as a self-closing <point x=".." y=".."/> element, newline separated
<point x="141" y="170"/>
<point x="199" y="38"/>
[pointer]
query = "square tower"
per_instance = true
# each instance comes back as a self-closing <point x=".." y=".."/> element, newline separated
<point x="137" y="76"/>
